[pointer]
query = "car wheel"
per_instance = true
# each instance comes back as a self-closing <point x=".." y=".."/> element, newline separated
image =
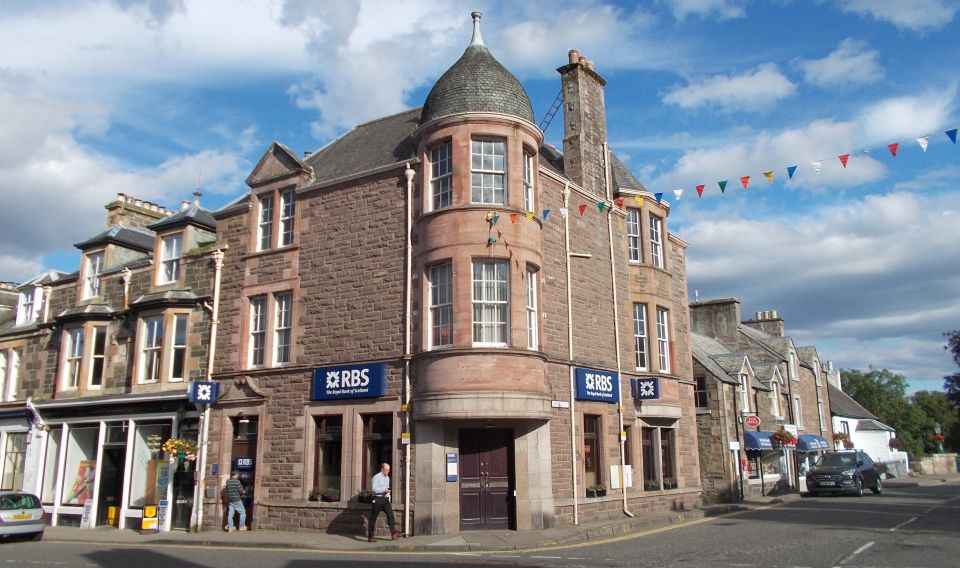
<point x="878" y="488"/>
<point x="858" y="488"/>
<point x="37" y="536"/>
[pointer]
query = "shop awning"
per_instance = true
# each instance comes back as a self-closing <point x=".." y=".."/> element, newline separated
<point x="758" y="440"/>
<point x="811" y="443"/>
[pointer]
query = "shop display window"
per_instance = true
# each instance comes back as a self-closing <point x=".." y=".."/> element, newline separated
<point x="81" y="465"/>
<point x="49" y="486"/>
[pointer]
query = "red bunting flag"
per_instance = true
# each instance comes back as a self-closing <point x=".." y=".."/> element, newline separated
<point x="745" y="180"/>
<point x="893" y="148"/>
<point x="513" y="217"/>
<point x="582" y="208"/>
<point x="700" y="190"/>
<point x="843" y="160"/>
<point x="620" y="202"/>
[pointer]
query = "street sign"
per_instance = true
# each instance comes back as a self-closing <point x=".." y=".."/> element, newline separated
<point x="752" y="421"/>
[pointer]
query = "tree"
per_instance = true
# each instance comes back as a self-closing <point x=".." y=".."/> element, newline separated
<point x="884" y="393"/>
<point x="937" y="409"/>
<point x="951" y="383"/>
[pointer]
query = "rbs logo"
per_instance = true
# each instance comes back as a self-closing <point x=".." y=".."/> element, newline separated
<point x="597" y="382"/>
<point x="348" y="378"/>
<point x="597" y="385"/>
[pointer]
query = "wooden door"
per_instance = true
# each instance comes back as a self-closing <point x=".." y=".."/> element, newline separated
<point x="486" y="479"/>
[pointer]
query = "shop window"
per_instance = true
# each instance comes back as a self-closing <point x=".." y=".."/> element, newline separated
<point x="656" y="241"/>
<point x="633" y="234"/>
<point x="329" y="450"/>
<point x="592" y="462"/>
<point x="488" y="171"/>
<point x="640" y="336"/>
<point x="441" y="177"/>
<point x="658" y="438"/>
<point x="377" y="444"/>
<point x="628" y="455"/>
<point x="148" y="460"/>
<point x="667" y="459"/>
<point x="441" y="305"/>
<point x="49" y="484"/>
<point x="651" y="475"/>
<point x="171" y="248"/>
<point x="81" y="465"/>
<point x="700" y="393"/>
<point x="14" y="459"/>
<point x="93" y="266"/>
<point x="490" y="302"/>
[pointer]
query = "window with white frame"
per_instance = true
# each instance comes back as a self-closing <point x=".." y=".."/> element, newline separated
<point x="744" y="392"/>
<point x="288" y="210"/>
<point x="73" y="359"/>
<point x="151" y="349"/>
<point x="283" y="327"/>
<point x="641" y="348"/>
<point x="532" y="327"/>
<point x="3" y="372"/>
<point x="663" y="339"/>
<point x="488" y="171"/>
<point x="793" y="371"/>
<point x="490" y="302"/>
<point x="441" y="176"/>
<point x="633" y="234"/>
<point x="820" y="414"/>
<point x="258" y="330"/>
<point x="528" y="187"/>
<point x="700" y="397"/>
<point x="441" y="305"/>
<point x="774" y="398"/>
<point x="656" y="242"/>
<point x="9" y="373"/>
<point x="92" y="269"/>
<point x="797" y="414"/>
<point x="265" y="225"/>
<point x="30" y="301"/>
<point x="171" y="247"/>
<point x="658" y="453"/>
<point x="179" y="357"/>
<point x="98" y="357"/>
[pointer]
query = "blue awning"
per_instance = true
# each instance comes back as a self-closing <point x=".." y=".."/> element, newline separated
<point x="757" y="440"/>
<point x="811" y="443"/>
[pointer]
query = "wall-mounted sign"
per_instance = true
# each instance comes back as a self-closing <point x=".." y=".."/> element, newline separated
<point x="647" y="388"/>
<point x="203" y="392"/>
<point x="243" y="464"/>
<point x="598" y="386"/>
<point x="451" y="467"/>
<point x="751" y="421"/>
<point x="350" y="381"/>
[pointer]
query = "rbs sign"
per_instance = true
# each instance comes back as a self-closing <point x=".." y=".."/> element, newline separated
<point x="599" y="386"/>
<point x="350" y="381"/>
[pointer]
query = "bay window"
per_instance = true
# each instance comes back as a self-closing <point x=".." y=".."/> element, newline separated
<point x="528" y="177"/>
<point x="488" y="171"/>
<point x="162" y="348"/>
<point x="73" y="359"/>
<point x="441" y="177"/>
<point x="490" y="302"/>
<point x="441" y="305"/>
<point x="9" y="373"/>
<point x="532" y="327"/>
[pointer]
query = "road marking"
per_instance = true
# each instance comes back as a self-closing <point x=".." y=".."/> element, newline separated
<point x="856" y="552"/>
<point x="904" y="523"/>
<point x="548" y="557"/>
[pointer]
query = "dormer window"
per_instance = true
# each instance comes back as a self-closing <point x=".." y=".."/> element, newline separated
<point x="266" y="223"/>
<point x="287" y="209"/>
<point x="171" y="248"/>
<point x="91" y="281"/>
<point x="29" y="309"/>
<point x="488" y="168"/>
<point x="275" y="226"/>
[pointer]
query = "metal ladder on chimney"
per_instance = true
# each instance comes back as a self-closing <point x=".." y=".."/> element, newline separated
<point x="545" y="123"/>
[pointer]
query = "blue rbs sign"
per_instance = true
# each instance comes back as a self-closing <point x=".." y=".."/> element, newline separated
<point x="350" y="381"/>
<point x="598" y="386"/>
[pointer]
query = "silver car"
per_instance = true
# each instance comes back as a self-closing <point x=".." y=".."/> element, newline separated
<point x="21" y="514"/>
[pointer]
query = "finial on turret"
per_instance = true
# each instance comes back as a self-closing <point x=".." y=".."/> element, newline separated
<point x="477" y="39"/>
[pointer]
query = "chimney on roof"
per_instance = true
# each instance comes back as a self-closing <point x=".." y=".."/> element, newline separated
<point x="133" y="212"/>
<point x="584" y="123"/>
<point x="767" y="321"/>
<point x="715" y="318"/>
<point x="185" y="204"/>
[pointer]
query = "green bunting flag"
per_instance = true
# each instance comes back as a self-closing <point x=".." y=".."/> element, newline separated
<point x="601" y="205"/>
<point x="491" y="239"/>
<point x="723" y="186"/>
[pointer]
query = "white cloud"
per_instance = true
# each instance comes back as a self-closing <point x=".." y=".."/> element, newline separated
<point x="915" y="15"/>
<point x="909" y="116"/>
<point x="851" y="63"/>
<point x="758" y="88"/>
<point x="721" y="9"/>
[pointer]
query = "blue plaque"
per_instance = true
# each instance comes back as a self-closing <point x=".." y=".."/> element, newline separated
<point x="203" y="392"/>
<point x="597" y="386"/>
<point x="350" y="381"/>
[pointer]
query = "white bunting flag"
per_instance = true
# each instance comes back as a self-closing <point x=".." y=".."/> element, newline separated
<point x="923" y="141"/>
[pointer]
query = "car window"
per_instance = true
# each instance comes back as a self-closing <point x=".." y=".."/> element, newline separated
<point x="18" y="501"/>
<point x="834" y="460"/>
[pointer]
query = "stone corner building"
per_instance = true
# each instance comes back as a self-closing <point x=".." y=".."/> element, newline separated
<point x="442" y="291"/>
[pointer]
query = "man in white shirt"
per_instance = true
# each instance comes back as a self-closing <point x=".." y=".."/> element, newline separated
<point x="380" y="486"/>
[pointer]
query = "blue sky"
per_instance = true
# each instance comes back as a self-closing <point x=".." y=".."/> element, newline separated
<point x="144" y="96"/>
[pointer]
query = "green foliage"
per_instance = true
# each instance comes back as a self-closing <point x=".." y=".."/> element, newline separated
<point x="937" y="409"/>
<point x="951" y="383"/>
<point x="883" y="393"/>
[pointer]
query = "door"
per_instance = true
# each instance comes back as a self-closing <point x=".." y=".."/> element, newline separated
<point x="111" y="485"/>
<point x="244" y="459"/>
<point x="486" y="479"/>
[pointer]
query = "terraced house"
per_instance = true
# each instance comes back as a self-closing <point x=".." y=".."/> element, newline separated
<point x="503" y="322"/>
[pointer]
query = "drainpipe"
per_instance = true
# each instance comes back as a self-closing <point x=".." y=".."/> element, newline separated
<point x="573" y="388"/>
<point x="196" y="517"/>
<point x="743" y="451"/>
<point x="616" y="331"/>
<point x="407" y="351"/>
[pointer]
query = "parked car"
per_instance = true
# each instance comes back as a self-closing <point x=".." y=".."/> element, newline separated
<point x="844" y="471"/>
<point x="21" y="515"/>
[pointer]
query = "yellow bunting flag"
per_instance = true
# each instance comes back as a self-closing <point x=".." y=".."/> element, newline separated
<point x="769" y="176"/>
<point x="529" y="215"/>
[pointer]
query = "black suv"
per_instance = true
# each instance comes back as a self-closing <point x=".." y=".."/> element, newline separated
<point x="844" y="471"/>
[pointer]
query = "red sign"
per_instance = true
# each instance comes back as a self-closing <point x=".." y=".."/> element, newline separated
<point x="752" y="421"/>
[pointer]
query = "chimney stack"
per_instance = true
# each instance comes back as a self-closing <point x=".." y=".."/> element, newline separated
<point x="584" y="123"/>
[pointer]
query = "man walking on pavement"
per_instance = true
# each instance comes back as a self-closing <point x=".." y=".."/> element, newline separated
<point x="380" y="485"/>
<point x="235" y="501"/>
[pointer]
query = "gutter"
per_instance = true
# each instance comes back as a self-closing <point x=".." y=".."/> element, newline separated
<point x="407" y="349"/>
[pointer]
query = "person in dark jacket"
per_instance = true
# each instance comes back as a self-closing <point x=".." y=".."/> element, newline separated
<point x="235" y="494"/>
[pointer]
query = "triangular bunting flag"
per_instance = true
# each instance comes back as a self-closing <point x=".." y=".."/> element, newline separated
<point x="659" y="196"/>
<point x="496" y="217"/>
<point x="491" y="239"/>
<point x="952" y="135"/>
<point x="490" y="216"/>
<point x="769" y="176"/>
<point x="563" y="212"/>
<point x="700" y="190"/>
<point x="546" y="213"/>
<point x="582" y="208"/>
<point x="817" y="166"/>
<point x="620" y="202"/>
<point x="639" y="200"/>
<point x="529" y="215"/>
<point x="790" y="171"/>
<point x="923" y="141"/>
<point x="723" y="185"/>
<point x="893" y="148"/>
<point x="843" y="159"/>
<point x="601" y="205"/>
<point x="745" y="180"/>
<point x="513" y="217"/>
<point x="677" y="193"/>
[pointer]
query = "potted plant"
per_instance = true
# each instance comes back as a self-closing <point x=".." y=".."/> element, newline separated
<point x="895" y="444"/>
<point x="651" y="485"/>
<point x="784" y="437"/>
<point x="596" y="491"/>
<point x="330" y="495"/>
<point x="185" y="451"/>
<point x="844" y="439"/>
<point x="314" y="495"/>
<point x="669" y="483"/>
<point x="365" y="497"/>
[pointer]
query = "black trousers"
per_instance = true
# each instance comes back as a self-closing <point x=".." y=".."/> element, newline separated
<point x="381" y="504"/>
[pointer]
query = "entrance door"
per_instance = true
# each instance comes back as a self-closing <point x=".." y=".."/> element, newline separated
<point x="244" y="459"/>
<point x="111" y="485"/>
<point x="486" y="479"/>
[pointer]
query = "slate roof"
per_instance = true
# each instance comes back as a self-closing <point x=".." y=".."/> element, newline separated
<point x="623" y="178"/>
<point x="733" y="363"/>
<point x="128" y="237"/>
<point x="764" y="372"/>
<point x="368" y="146"/>
<point x="91" y="311"/>
<point x="842" y="404"/>
<point x="703" y="348"/>
<point x="873" y="426"/>
<point x="166" y="297"/>
<point x="48" y="277"/>
<point x="192" y="215"/>
<point x="477" y="82"/>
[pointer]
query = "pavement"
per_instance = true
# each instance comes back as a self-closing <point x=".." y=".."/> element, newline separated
<point x="472" y="541"/>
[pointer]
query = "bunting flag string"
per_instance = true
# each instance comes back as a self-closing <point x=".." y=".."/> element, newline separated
<point x="923" y="141"/>
<point x="659" y="196"/>
<point x="513" y="217"/>
<point x="723" y="185"/>
<point x="745" y="180"/>
<point x="619" y="202"/>
<point x="601" y="205"/>
<point x="677" y="193"/>
<point x="791" y="170"/>
<point x="843" y="159"/>
<point x="952" y="135"/>
<point x="893" y="148"/>
<point x="700" y="190"/>
<point x="582" y="207"/>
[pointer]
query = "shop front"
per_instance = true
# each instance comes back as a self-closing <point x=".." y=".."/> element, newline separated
<point x="809" y="448"/>
<point x="767" y="464"/>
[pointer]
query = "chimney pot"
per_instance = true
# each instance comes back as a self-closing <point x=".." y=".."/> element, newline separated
<point x="184" y="205"/>
<point x="774" y="315"/>
<point x="307" y="154"/>
<point x="581" y="60"/>
<point x="573" y="56"/>
<point x="589" y="65"/>
<point x="759" y="316"/>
